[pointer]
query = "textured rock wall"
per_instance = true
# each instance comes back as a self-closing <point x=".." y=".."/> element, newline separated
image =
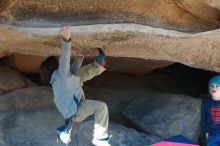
<point x="142" y="30"/>
<point x="183" y="15"/>
<point x="119" y="40"/>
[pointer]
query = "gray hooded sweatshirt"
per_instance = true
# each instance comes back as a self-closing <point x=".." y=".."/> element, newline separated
<point x="66" y="86"/>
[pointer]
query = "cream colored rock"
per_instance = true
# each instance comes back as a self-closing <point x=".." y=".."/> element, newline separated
<point x="199" y="50"/>
<point x="213" y="3"/>
<point x="31" y="33"/>
<point x="183" y="15"/>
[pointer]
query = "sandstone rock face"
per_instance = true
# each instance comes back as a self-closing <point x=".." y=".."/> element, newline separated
<point x="166" y="115"/>
<point x="136" y="66"/>
<point x="24" y="63"/>
<point x="213" y="3"/>
<point x="120" y="40"/>
<point x="11" y="79"/>
<point x="184" y="15"/>
<point x="123" y="28"/>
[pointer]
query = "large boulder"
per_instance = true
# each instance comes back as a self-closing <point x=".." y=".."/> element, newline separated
<point x="11" y="79"/>
<point x="37" y="127"/>
<point x="29" y="117"/>
<point x="121" y="136"/>
<point x="166" y="115"/>
<point x="27" y="98"/>
<point x="117" y="89"/>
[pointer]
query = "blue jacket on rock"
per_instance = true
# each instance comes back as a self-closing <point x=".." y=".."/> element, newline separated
<point x="66" y="86"/>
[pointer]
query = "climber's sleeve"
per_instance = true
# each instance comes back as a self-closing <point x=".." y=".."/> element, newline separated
<point x="64" y="62"/>
<point x="76" y="64"/>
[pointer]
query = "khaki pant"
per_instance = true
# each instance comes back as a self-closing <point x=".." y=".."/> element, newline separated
<point x="92" y="107"/>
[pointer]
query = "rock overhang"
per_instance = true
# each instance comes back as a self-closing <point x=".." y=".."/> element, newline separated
<point x="125" y="29"/>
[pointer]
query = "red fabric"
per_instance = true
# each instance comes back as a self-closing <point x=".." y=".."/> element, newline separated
<point x="103" y="63"/>
<point x="164" y="143"/>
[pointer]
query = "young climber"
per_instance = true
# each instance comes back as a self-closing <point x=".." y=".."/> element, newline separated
<point x="67" y="81"/>
<point x="210" y="113"/>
